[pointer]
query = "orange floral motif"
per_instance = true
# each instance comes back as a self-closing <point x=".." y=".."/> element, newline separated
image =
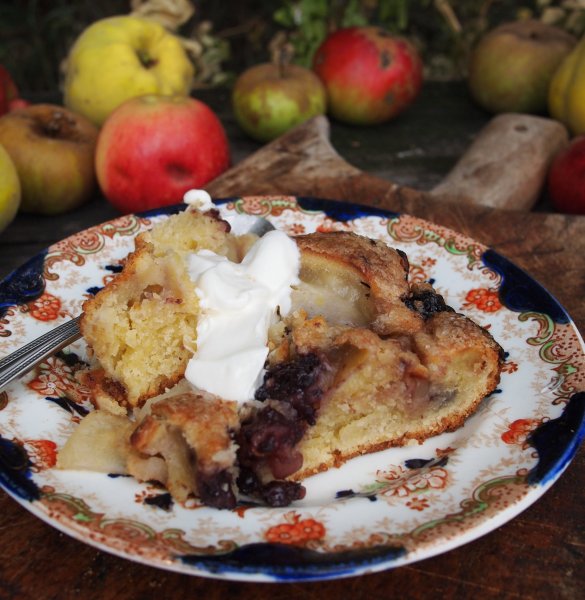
<point x="9" y="312"/>
<point x="297" y="229"/>
<point x="417" y="274"/>
<point x="45" y="308"/>
<point x="90" y="241"/>
<point x="241" y="509"/>
<point x="56" y="379"/>
<point x="519" y="430"/>
<point x="330" y="225"/>
<point x="445" y="451"/>
<point x="428" y="262"/>
<point x="483" y="299"/>
<point x="509" y="367"/>
<point x="418" y="503"/>
<point x="295" y="531"/>
<point x="398" y="481"/>
<point x="43" y="453"/>
<point x="108" y="278"/>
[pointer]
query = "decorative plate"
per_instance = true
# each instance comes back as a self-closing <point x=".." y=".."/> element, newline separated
<point x="376" y="512"/>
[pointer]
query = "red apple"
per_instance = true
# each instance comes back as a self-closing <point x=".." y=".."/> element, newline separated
<point x="370" y="75"/>
<point x="153" y="149"/>
<point x="53" y="151"/>
<point x="8" y="90"/>
<point x="566" y="178"/>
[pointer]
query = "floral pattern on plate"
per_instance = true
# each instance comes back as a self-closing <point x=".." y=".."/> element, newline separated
<point x="375" y="512"/>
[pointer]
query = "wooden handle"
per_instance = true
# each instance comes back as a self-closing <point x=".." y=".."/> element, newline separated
<point x="506" y="165"/>
<point x="296" y="163"/>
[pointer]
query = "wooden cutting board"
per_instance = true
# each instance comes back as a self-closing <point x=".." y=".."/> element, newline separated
<point x="486" y="195"/>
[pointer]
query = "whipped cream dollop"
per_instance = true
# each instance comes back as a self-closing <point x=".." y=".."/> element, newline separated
<point x="239" y="302"/>
<point x="198" y="200"/>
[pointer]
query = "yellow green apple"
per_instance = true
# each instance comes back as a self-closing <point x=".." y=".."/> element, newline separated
<point x="269" y="99"/>
<point x="122" y="57"/>
<point x="53" y="150"/>
<point x="9" y="189"/>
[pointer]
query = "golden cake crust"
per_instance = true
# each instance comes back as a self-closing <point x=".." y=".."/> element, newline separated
<point x="192" y="433"/>
<point x="365" y="361"/>
<point x="415" y="370"/>
<point x="418" y="389"/>
<point x="372" y="269"/>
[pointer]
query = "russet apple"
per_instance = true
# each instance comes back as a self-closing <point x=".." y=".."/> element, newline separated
<point x="370" y="75"/>
<point x="153" y="149"/>
<point x="53" y="151"/>
<point x="566" y="178"/>
<point x="511" y="67"/>
<point x="123" y="57"/>
<point x="9" y="189"/>
<point x="269" y="99"/>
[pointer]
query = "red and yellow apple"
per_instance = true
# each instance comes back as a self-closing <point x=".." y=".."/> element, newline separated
<point x="270" y="99"/>
<point x="53" y="150"/>
<point x="123" y="57"/>
<point x="152" y="149"/>
<point x="8" y="91"/>
<point x="511" y="67"/>
<point x="566" y="178"/>
<point x="9" y="189"/>
<point x="370" y="75"/>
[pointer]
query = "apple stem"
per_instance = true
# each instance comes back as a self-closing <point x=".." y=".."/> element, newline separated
<point x="57" y="123"/>
<point x="281" y="63"/>
<point x="282" y="52"/>
<point x="145" y="59"/>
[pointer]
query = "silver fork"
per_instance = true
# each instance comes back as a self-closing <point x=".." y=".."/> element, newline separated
<point x="24" y="359"/>
<point x="21" y="361"/>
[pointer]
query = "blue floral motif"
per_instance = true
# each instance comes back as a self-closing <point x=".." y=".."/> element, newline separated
<point x="15" y="473"/>
<point x="519" y="292"/>
<point x="557" y="440"/>
<point x="23" y="285"/>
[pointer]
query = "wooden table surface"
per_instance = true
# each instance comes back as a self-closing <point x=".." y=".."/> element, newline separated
<point x="539" y="554"/>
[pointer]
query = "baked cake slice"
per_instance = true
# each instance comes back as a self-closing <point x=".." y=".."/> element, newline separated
<point x="141" y="328"/>
<point x="186" y="443"/>
<point x="364" y="361"/>
<point x="408" y="367"/>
